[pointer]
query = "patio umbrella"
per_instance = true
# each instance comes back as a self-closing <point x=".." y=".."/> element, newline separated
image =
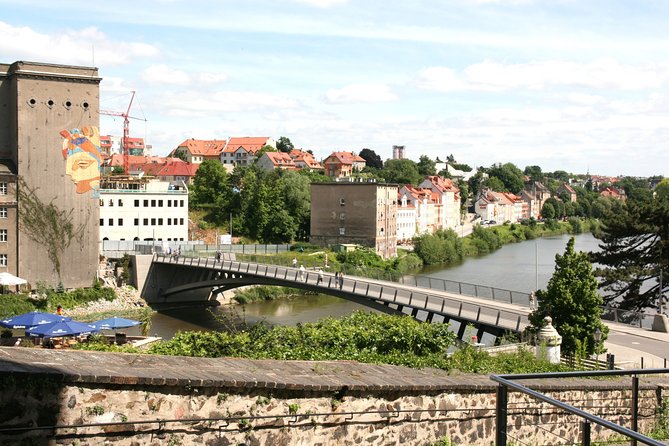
<point x="31" y="319"/>
<point x="113" y="323"/>
<point x="61" y="328"/>
<point x="10" y="279"/>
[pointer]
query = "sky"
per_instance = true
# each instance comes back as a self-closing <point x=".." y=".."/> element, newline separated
<point x="574" y="85"/>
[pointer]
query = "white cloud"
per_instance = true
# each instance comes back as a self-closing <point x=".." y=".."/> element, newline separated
<point x="189" y="103"/>
<point x="358" y="93"/>
<point x="86" y="46"/>
<point x="322" y="3"/>
<point x="496" y="76"/>
<point x="162" y="74"/>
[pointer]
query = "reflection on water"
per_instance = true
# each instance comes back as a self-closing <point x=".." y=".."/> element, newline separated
<point x="516" y="267"/>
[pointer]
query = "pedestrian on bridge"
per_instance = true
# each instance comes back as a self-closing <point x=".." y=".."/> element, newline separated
<point x="336" y="279"/>
<point x="320" y="276"/>
<point x="294" y="262"/>
<point x="302" y="272"/>
<point x="341" y="280"/>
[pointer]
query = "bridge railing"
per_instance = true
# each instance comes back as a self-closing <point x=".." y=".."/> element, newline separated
<point x="427" y="282"/>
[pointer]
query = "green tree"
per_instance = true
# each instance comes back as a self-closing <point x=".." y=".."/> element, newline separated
<point x="181" y="154"/>
<point x="283" y="144"/>
<point x="426" y="166"/>
<point x="572" y="301"/>
<point x="263" y="150"/>
<point x="662" y="189"/>
<point x="534" y="172"/>
<point x="510" y="175"/>
<point x="548" y="210"/>
<point x="494" y="184"/>
<point x="371" y="159"/>
<point x="634" y="252"/>
<point x="210" y="184"/>
<point x="402" y="171"/>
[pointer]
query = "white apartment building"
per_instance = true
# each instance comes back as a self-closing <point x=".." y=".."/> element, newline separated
<point x="133" y="208"/>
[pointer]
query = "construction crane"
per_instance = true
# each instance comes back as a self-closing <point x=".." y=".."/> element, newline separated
<point x="126" y="132"/>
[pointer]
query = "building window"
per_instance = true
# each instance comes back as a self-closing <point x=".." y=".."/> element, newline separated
<point x="160" y="203"/>
<point x="153" y="222"/>
<point x="120" y="202"/>
<point x="3" y="212"/>
<point x="3" y="188"/>
<point x="120" y="222"/>
<point x="146" y="222"/>
<point x="136" y="203"/>
<point x="102" y="222"/>
<point x="181" y="221"/>
<point x="153" y="203"/>
<point x="342" y="231"/>
<point x="111" y="202"/>
<point x="160" y="222"/>
<point x="137" y="222"/>
<point x="146" y="203"/>
<point x="342" y="202"/>
<point x="3" y="235"/>
<point x="342" y="216"/>
<point x="181" y="203"/>
<point x="3" y="260"/>
<point x="111" y="222"/>
<point x="169" y="222"/>
<point x="169" y="203"/>
<point x="102" y="202"/>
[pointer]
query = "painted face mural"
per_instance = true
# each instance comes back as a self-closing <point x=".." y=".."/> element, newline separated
<point x="81" y="150"/>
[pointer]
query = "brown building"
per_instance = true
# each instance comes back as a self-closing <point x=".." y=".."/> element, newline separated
<point x="354" y="212"/>
<point x="52" y="222"/>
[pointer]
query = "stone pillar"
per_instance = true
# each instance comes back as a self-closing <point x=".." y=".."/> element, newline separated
<point x="548" y="342"/>
<point x="660" y="323"/>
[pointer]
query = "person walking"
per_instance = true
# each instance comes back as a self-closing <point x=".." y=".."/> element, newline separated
<point x="341" y="280"/>
<point x="336" y="279"/>
<point x="294" y="262"/>
<point x="302" y="272"/>
<point x="320" y="276"/>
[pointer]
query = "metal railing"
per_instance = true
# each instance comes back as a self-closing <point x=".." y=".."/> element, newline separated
<point x="587" y="419"/>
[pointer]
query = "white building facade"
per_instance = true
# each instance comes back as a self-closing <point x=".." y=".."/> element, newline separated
<point x="143" y="209"/>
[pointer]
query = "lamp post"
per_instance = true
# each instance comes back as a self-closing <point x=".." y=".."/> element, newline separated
<point x="598" y="339"/>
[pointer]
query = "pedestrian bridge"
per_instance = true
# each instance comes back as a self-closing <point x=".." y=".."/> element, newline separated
<point x="198" y="280"/>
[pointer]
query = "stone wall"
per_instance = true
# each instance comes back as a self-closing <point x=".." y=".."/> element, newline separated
<point x="233" y="401"/>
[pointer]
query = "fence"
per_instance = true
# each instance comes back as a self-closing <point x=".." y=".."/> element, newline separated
<point x="577" y="425"/>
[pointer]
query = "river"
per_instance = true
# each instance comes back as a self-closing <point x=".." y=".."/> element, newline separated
<point x="517" y="267"/>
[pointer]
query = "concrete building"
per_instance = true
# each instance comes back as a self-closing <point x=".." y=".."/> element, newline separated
<point x="398" y="152"/>
<point x="49" y="118"/>
<point x="134" y="208"/>
<point x="355" y="212"/>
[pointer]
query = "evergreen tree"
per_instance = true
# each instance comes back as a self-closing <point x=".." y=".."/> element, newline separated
<point x="371" y="158"/>
<point x="635" y="249"/>
<point x="572" y="301"/>
<point x="283" y="144"/>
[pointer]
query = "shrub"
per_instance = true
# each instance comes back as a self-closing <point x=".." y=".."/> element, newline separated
<point x="13" y="304"/>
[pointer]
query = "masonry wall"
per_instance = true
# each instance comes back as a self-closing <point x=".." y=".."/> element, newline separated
<point x="228" y="401"/>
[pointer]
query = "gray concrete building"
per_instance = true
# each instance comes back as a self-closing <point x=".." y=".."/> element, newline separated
<point x="355" y="212"/>
<point x="49" y="118"/>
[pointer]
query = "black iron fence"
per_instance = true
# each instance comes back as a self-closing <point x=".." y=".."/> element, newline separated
<point x="578" y="420"/>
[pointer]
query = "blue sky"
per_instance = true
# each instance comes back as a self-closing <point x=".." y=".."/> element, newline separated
<point x="569" y="85"/>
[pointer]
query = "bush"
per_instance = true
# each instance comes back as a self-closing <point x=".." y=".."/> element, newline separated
<point x="304" y="246"/>
<point x="13" y="304"/>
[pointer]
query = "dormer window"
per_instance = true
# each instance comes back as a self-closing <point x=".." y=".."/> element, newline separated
<point x="342" y="202"/>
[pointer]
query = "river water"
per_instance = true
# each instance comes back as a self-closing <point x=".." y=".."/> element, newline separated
<point x="517" y="267"/>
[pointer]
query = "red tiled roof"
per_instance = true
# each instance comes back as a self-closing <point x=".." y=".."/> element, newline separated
<point x="280" y="159"/>
<point x="307" y="158"/>
<point x="344" y="158"/>
<point x="443" y="184"/>
<point x="251" y="143"/>
<point x="202" y="147"/>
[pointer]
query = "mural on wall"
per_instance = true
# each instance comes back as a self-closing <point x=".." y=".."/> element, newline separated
<point x="81" y="151"/>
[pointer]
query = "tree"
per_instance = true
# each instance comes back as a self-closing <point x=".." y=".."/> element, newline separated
<point x="371" y="158"/>
<point x="181" y="154"/>
<point x="263" y="150"/>
<point x="402" y="171"/>
<point x="534" y="172"/>
<point x="662" y="189"/>
<point x="572" y="301"/>
<point x="634" y="254"/>
<point x="209" y="184"/>
<point x="426" y="166"/>
<point x="510" y="175"/>
<point x="283" y="144"/>
<point x="494" y="184"/>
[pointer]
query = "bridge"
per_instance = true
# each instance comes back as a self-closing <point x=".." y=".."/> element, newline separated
<point x="193" y="280"/>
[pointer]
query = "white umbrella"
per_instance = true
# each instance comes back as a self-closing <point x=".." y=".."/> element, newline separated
<point x="10" y="279"/>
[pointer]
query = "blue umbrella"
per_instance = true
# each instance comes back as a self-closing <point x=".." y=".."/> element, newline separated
<point x="31" y="319"/>
<point x="61" y="328"/>
<point x="113" y="323"/>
